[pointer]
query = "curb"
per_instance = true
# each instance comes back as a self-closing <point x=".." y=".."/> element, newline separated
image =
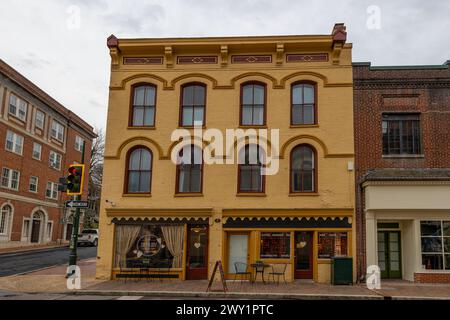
<point x="30" y="250"/>
<point x="235" y="295"/>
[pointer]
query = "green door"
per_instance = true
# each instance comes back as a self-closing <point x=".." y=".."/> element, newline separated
<point x="389" y="254"/>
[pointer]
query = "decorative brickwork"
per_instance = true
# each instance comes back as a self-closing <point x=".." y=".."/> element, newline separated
<point x="432" y="277"/>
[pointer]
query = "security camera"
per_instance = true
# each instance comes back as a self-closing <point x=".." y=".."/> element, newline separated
<point x="113" y="204"/>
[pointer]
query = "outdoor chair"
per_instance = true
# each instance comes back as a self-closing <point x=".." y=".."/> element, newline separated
<point x="278" y="270"/>
<point x="242" y="270"/>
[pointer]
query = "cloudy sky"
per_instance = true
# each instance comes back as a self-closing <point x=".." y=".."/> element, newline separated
<point x="61" y="44"/>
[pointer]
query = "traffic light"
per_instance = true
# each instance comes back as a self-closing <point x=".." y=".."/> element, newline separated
<point x="75" y="180"/>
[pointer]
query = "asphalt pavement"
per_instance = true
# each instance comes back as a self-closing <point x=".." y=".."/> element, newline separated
<point x="22" y="262"/>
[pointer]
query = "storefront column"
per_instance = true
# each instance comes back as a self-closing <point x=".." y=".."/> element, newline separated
<point x="371" y="239"/>
<point x="105" y="249"/>
<point x="215" y="241"/>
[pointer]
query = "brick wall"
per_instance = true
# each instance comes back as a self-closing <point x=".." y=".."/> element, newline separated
<point x="422" y="90"/>
<point x="432" y="277"/>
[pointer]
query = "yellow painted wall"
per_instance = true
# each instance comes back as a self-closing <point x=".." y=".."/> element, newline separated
<point x="332" y="137"/>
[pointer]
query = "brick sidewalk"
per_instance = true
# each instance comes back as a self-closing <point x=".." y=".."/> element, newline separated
<point x="53" y="280"/>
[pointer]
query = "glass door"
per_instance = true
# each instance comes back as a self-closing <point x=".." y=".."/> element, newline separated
<point x="197" y="253"/>
<point x="303" y="255"/>
<point x="389" y="254"/>
<point x="237" y="250"/>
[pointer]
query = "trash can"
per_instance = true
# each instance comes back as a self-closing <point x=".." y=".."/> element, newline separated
<point x="342" y="270"/>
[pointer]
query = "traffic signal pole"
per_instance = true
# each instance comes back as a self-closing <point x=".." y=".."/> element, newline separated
<point x="76" y="224"/>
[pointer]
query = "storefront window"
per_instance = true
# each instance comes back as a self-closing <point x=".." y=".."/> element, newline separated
<point x="275" y="245"/>
<point x="332" y="244"/>
<point x="435" y="243"/>
<point x="152" y="246"/>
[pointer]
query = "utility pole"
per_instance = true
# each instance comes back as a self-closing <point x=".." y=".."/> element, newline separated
<point x="76" y="224"/>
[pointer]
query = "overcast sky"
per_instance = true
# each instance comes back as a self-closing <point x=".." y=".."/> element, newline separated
<point x="68" y="58"/>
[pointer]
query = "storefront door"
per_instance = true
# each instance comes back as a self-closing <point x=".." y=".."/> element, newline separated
<point x="237" y="250"/>
<point x="389" y="254"/>
<point x="197" y="253"/>
<point x="303" y="255"/>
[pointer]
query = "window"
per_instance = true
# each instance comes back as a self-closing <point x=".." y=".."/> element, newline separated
<point x="37" y="150"/>
<point x="139" y="173"/>
<point x="33" y="184"/>
<point x="57" y="131"/>
<point x="79" y="143"/>
<point x="250" y="169"/>
<point x="303" y="103"/>
<point x="143" y="108"/>
<point x="332" y="244"/>
<point x="193" y="105"/>
<point x="5" y="217"/>
<point x="26" y="227"/>
<point x="189" y="169"/>
<point x="253" y="104"/>
<point x="10" y="179"/>
<point x="51" y="191"/>
<point x="40" y="119"/>
<point x="49" y="230"/>
<point x="401" y="134"/>
<point x="14" y="142"/>
<point x="435" y="240"/>
<point x="275" y="245"/>
<point x="17" y="107"/>
<point x="303" y="169"/>
<point x="55" y="160"/>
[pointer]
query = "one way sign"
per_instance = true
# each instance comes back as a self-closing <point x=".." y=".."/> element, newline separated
<point x="76" y="204"/>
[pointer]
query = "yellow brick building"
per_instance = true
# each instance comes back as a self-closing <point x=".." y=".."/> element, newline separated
<point x="176" y="220"/>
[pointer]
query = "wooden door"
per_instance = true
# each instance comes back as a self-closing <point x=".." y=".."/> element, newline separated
<point x="237" y="250"/>
<point x="35" y="230"/>
<point x="69" y="229"/>
<point x="197" y="253"/>
<point x="304" y="255"/>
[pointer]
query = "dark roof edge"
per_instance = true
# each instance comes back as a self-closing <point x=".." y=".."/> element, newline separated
<point x="443" y="66"/>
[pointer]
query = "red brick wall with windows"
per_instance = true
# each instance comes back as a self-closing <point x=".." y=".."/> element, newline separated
<point x="377" y="90"/>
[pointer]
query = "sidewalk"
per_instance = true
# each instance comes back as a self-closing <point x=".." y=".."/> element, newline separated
<point x="52" y="280"/>
<point x="16" y="247"/>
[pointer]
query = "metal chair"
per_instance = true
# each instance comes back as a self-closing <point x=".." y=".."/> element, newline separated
<point x="278" y="270"/>
<point x="242" y="270"/>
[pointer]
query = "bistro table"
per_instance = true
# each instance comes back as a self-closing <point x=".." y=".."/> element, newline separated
<point x="259" y="267"/>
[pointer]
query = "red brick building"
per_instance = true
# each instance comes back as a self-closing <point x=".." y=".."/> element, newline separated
<point x="38" y="139"/>
<point x="402" y="146"/>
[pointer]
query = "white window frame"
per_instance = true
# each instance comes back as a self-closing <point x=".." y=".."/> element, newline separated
<point x="38" y="120"/>
<point x="48" y="235"/>
<point x="442" y="253"/>
<point x="35" y="184"/>
<point x="19" y="105"/>
<point x="52" y="160"/>
<point x="57" y="131"/>
<point x="9" y="179"/>
<point x="79" y="143"/>
<point x="26" y="233"/>
<point x="53" y="190"/>
<point x="16" y="141"/>
<point x="7" y="219"/>
<point x="40" y="151"/>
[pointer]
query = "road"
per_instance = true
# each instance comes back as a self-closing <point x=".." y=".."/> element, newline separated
<point x="17" y="263"/>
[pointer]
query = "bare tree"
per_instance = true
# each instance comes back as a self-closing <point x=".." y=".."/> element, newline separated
<point x="95" y="179"/>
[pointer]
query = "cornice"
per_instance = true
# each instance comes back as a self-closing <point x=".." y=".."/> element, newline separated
<point x="400" y="83"/>
<point x="161" y="212"/>
<point x="406" y="183"/>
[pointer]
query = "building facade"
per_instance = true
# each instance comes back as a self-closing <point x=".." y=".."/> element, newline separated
<point x="39" y="138"/>
<point x="165" y="207"/>
<point x="402" y="146"/>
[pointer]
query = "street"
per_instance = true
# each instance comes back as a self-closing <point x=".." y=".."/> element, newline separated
<point x="17" y="263"/>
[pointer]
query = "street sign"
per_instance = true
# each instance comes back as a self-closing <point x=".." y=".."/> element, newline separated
<point x="77" y="204"/>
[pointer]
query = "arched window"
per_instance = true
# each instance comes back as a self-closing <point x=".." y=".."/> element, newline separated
<point x="250" y="169"/>
<point x="303" y="169"/>
<point x="303" y="109"/>
<point x="5" y="217"/>
<point x="189" y="170"/>
<point x="193" y="102"/>
<point x="253" y="104"/>
<point x="139" y="171"/>
<point x="144" y="106"/>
